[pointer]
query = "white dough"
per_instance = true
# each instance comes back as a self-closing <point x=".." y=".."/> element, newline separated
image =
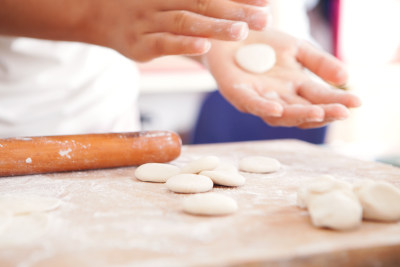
<point x="226" y="178"/>
<point x="23" y="204"/>
<point x="210" y="204"/>
<point x="322" y="184"/>
<point x="256" y="58"/>
<point x="5" y="219"/>
<point x="24" y="229"/>
<point x="380" y="200"/>
<point x="189" y="183"/>
<point x="223" y="166"/>
<point x="335" y="210"/>
<point x="156" y="172"/>
<point x="259" y="164"/>
<point x="201" y="164"/>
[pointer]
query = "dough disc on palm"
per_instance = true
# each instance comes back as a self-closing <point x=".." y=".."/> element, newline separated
<point x="189" y="183"/>
<point x="156" y="172"/>
<point x="256" y="58"/>
<point x="259" y="164"/>
<point x="209" y="204"/>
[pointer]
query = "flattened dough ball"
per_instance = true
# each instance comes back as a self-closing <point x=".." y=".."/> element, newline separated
<point x="380" y="200"/>
<point x="336" y="210"/>
<point x="209" y="204"/>
<point x="201" y="164"/>
<point x="24" y="204"/>
<point x="189" y="183"/>
<point x="256" y="58"/>
<point x="156" y="172"/>
<point x="259" y="164"/>
<point x="226" y="178"/>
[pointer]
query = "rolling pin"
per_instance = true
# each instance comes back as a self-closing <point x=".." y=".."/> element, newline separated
<point x="33" y="155"/>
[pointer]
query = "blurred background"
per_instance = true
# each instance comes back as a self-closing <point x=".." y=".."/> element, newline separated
<point x="364" y="34"/>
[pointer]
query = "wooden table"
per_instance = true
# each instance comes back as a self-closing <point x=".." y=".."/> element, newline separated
<point x="108" y="218"/>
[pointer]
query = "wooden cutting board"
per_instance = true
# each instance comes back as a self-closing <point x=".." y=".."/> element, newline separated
<point x="109" y="218"/>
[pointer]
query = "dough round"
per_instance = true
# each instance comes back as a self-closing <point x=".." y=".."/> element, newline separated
<point x="201" y="164"/>
<point x="225" y="178"/>
<point x="223" y="166"/>
<point x="256" y="58"/>
<point x="320" y="185"/>
<point x="189" y="183"/>
<point x="335" y="210"/>
<point x="210" y="204"/>
<point x="380" y="200"/>
<point x="156" y="172"/>
<point x="259" y="164"/>
<point x="23" y="204"/>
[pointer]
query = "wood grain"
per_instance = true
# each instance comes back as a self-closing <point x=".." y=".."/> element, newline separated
<point x="109" y="218"/>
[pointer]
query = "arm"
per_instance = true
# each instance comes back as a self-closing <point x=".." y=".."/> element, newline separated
<point x="138" y="29"/>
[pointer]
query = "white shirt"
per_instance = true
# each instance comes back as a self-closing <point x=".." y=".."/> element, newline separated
<point x="55" y="88"/>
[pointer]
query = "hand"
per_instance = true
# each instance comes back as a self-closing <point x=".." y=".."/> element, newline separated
<point x="139" y="29"/>
<point x="286" y="95"/>
<point x="143" y="30"/>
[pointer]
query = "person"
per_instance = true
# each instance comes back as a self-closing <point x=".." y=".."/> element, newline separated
<point x="62" y="87"/>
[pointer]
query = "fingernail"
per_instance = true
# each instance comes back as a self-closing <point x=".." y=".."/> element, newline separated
<point x="342" y="76"/>
<point x="239" y="31"/>
<point x="261" y="2"/>
<point x="203" y="45"/>
<point x="260" y="19"/>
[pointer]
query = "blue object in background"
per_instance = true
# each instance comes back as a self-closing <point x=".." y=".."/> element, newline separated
<point x="219" y="121"/>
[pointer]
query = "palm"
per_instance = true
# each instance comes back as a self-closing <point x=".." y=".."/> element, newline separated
<point x="286" y="95"/>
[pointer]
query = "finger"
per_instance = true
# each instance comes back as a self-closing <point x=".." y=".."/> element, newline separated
<point x="190" y="24"/>
<point x="163" y="44"/>
<point x="246" y="99"/>
<point x="294" y="115"/>
<point x="294" y="99"/>
<point x="253" y="2"/>
<point x="255" y="17"/>
<point x="318" y="93"/>
<point x="322" y="64"/>
<point x="333" y="112"/>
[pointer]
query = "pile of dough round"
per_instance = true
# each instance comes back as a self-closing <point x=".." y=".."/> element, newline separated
<point x="259" y="164"/>
<point x="156" y="172"/>
<point x="336" y="210"/>
<point x="209" y="204"/>
<point x="331" y="203"/>
<point x="189" y="183"/>
<point x="380" y="200"/>
<point x="322" y="184"/>
<point x="256" y="58"/>
<point x="201" y="164"/>
<point x="226" y="178"/>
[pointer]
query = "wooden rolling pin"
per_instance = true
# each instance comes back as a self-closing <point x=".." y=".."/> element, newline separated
<point x="32" y="155"/>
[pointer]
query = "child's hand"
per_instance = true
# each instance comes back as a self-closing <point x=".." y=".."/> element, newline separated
<point x="145" y="29"/>
<point x="286" y="95"/>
